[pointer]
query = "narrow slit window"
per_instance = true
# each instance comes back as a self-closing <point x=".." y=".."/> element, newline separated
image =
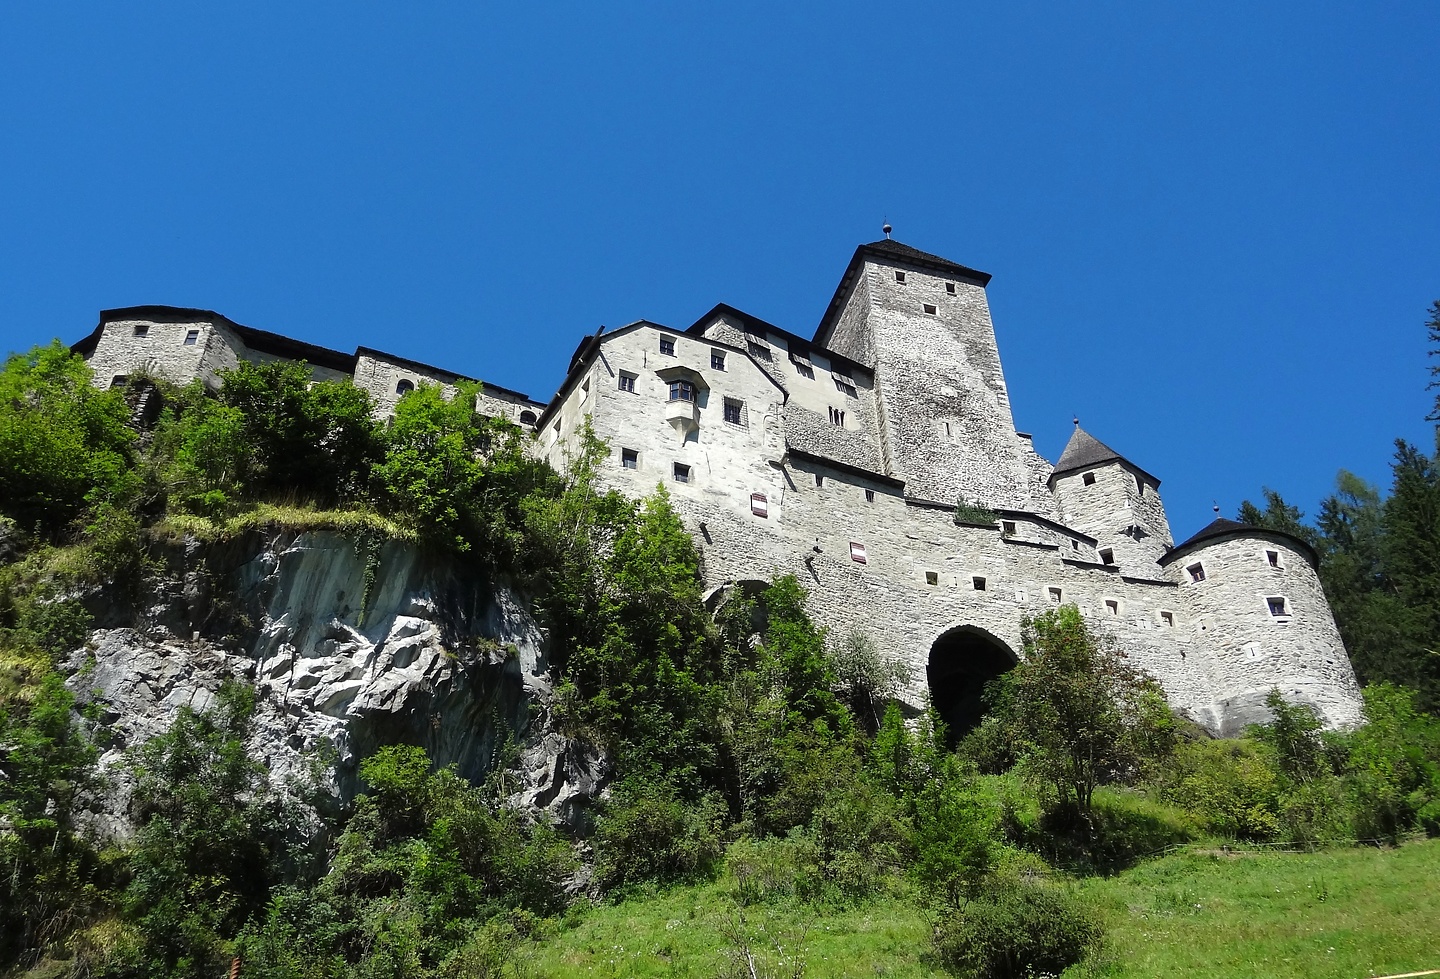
<point x="717" y="360"/>
<point x="667" y="347"/>
<point x="857" y="553"/>
<point x="192" y="337"/>
<point x="978" y="583"/>
<point x="759" y="505"/>
<point x="627" y="382"/>
<point x="837" y="417"/>
<point x="932" y="578"/>
<point x="630" y="458"/>
<point x="869" y="496"/>
<point x="819" y="480"/>
<point x="682" y="473"/>
<point x="1074" y="544"/>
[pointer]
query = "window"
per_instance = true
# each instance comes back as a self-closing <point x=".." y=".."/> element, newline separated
<point x="404" y="388"/>
<point x="932" y="578"/>
<point x="1276" y="604"/>
<point x="978" y="584"/>
<point x="869" y="496"/>
<point x="759" y="505"/>
<point x="1273" y="558"/>
<point x="857" y="553"/>
<point x="527" y="418"/>
<point x="630" y="458"/>
<point x="627" y="382"/>
<point x="585" y="390"/>
<point x="929" y="308"/>
<point x="805" y="370"/>
<point x="947" y="430"/>
<point x="1196" y="572"/>
<point x="682" y="473"/>
<point x="717" y="360"/>
<point x="1139" y="486"/>
<point x="119" y="380"/>
<point x="734" y="411"/>
<point x="1074" y="544"/>
<point x="900" y="277"/>
<point x="192" y="337"/>
<point x="142" y="329"/>
<point x="950" y="288"/>
<point x="819" y="480"/>
<point x="667" y="346"/>
<point x="1112" y="606"/>
<point x="845" y="385"/>
<point x="1007" y="526"/>
<point x="760" y="352"/>
<point x="1167" y="619"/>
<point x="1251" y="650"/>
<point x="1088" y="479"/>
<point x="1055" y="595"/>
<point x="1107" y="556"/>
<point x="682" y="391"/>
<point x="837" y="417"/>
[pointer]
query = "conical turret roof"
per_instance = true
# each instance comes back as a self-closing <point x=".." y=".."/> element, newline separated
<point x="1084" y="451"/>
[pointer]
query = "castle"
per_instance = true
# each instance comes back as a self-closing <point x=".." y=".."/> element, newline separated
<point x="840" y="459"/>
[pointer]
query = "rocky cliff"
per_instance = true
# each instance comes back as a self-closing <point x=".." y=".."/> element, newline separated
<point x="350" y="645"/>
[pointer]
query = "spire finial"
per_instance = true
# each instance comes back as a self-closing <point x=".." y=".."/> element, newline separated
<point x="886" y="228"/>
<point x="1215" y="507"/>
<point x="1076" y="419"/>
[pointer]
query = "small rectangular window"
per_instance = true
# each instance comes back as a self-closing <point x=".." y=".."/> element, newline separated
<point x="869" y="496"/>
<point x="805" y="370"/>
<point x="1056" y="595"/>
<point x="1167" y="619"/>
<point x="837" y="417"/>
<point x="846" y="385"/>
<point x="759" y="505"/>
<point x="1196" y="572"/>
<point x="1276" y="605"/>
<point x="192" y="337"/>
<point x="630" y="458"/>
<point x="1273" y="557"/>
<point x="717" y="360"/>
<point x="1107" y="556"/>
<point x="857" y="553"/>
<point x="819" y="480"/>
<point x="682" y="391"/>
<point x="1007" y="526"/>
<point x="1112" y="606"/>
<point x="119" y="380"/>
<point x="667" y="347"/>
<point x="1088" y="479"/>
<point x="1074" y="544"/>
<point x="950" y="288"/>
<point x="627" y="381"/>
<point x="734" y="411"/>
<point x="900" y="277"/>
<point x="932" y="578"/>
<point x="682" y="473"/>
<point x="929" y="308"/>
<point x="142" y="329"/>
<point x="978" y="583"/>
<point x="760" y="352"/>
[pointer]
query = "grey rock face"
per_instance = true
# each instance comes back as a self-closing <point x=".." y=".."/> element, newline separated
<point x="431" y="656"/>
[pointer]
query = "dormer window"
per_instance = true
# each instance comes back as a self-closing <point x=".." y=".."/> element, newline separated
<point x="667" y="347"/>
<point x="682" y="391"/>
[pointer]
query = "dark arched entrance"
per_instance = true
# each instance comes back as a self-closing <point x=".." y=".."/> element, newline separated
<point x="961" y="662"/>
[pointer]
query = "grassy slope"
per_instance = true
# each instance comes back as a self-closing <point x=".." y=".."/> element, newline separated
<point x="1345" y="913"/>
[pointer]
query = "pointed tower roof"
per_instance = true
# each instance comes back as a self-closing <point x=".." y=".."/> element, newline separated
<point x="1084" y="451"/>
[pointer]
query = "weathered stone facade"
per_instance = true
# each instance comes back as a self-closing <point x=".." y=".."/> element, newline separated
<point x="840" y="459"/>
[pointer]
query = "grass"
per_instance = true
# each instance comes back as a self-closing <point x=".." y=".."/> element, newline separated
<point x="297" y="518"/>
<point x="1340" y="913"/>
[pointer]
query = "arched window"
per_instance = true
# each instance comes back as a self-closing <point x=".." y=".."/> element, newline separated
<point x="404" y="388"/>
<point x="527" y="418"/>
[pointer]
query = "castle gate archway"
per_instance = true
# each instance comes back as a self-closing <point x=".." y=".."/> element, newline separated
<point x="962" y="660"/>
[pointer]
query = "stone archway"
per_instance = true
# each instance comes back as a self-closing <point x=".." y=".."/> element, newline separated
<point x="962" y="660"/>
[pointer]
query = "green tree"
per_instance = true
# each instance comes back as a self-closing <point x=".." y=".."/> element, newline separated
<point x="64" y="444"/>
<point x="1075" y="709"/>
<point x="1278" y="515"/>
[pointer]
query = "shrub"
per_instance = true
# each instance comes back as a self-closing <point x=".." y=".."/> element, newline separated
<point x="1229" y="785"/>
<point x="647" y="833"/>
<point x="1394" y="775"/>
<point x="1016" y="927"/>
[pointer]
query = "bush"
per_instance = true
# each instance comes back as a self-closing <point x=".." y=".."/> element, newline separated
<point x="647" y="833"/>
<point x="1394" y="774"/>
<point x="1016" y="927"/>
<point x="1229" y="785"/>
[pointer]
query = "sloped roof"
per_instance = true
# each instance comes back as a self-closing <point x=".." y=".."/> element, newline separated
<point x="1220" y="528"/>
<point x="1085" y="450"/>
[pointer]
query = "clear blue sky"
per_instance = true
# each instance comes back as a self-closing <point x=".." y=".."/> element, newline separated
<point x="1213" y="227"/>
